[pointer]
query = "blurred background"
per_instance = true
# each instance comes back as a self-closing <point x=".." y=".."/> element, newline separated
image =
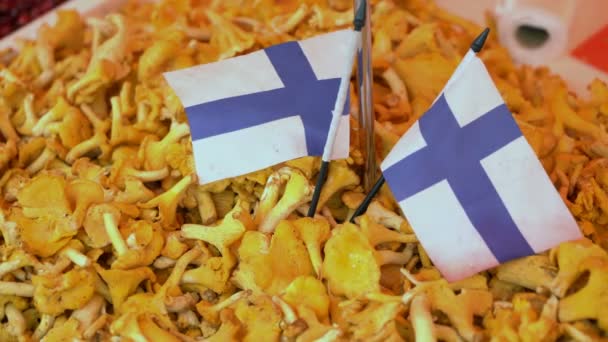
<point x="569" y="36"/>
<point x="16" y="13"/>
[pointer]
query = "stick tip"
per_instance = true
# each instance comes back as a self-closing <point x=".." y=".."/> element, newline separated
<point x="360" y="16"/>
<point x="480" y="41"/>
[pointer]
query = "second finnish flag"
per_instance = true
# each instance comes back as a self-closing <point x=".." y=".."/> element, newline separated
<point x="469" y="183"/>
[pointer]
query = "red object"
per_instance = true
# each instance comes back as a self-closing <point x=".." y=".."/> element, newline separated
<point x="594" y="50"/>
<point x="17" y="13"/>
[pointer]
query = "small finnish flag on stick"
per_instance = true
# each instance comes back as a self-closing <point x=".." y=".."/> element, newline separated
<point x="257" y="110"/>
<point x="469" y="183"/>
<point x="343" y="90"/>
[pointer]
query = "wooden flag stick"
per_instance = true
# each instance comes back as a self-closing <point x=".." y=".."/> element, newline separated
<point x="476" y="46"/>
<point x="365" y="116"/>
<point x="339" y="107"/>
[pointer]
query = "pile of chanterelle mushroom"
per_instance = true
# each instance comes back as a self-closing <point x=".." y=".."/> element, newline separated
<point x="106" y="235"/>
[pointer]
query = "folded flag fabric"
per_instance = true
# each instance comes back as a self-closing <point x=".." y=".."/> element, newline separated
<point x="470" y="185"/>
<point x="257" y="110"/>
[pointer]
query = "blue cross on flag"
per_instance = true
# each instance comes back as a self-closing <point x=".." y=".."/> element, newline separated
<point x="260" y="109"/>
<point x="469" y="183"/>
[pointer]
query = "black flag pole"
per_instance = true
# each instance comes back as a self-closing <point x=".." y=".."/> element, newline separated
<point x="358" y="23"/>
<point x="368" y="199"/>
<point x="360" y="17"/>
<point x="480" y="41"/>
<point x="476" y="46"/>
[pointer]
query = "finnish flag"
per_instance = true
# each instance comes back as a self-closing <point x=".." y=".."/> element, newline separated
<point x="469" y="183"/>
<point x="257" y="110"/>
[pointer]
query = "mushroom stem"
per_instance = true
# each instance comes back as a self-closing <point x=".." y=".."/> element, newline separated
<point x="126" y="91"/>
<point x="77" y="257"/>
<point x="294" y="20"/>
<point x="46" y="156"/>
<point x="289" y="316"/>
<point x="206" y="206"/>
<point x="180" y="303"/>
<point x="387" y="257"/>
<point x="98" y="124"/>
<point x="88" y="313"/>
<point x="197" y="33"/>
<point x="46" y="322"/>
<point x="314" y="251"/>
<point x="9" y="266"/>
<point x="231" y="300"/>
<point x="412" y="263"/>
<point x="445" y="333"/>
<point x="150" y="176"/>
<point x="329" y="216"/>
<point x="99" y="140"/>
<point x="95" y="326"/>
<point x="116" y="121"/>
<point x="16" y="321"/>
<point x="395" y="83"/>
<point x="30" y="116"/>
<point x="56" y="268"/>
<point x="9" y="288"/>
<point x="163" y="262"/>
<point x="269" y="198"/>
<point x="176" y="132"/>
<point x="422" y="321"/>
<point x="297" y="192"/>
<point x="20" y="274"/>
<point x="179" y="269"/>
<point x="331" y="335"/>
<point x="117" y="241"/>
<point x="188" y="318"/>
<point x="6" y="127"/>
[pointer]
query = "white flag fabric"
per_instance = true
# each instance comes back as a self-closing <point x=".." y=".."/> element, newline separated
<point x="257" y="110"/>
<point x="469" y="183"/>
